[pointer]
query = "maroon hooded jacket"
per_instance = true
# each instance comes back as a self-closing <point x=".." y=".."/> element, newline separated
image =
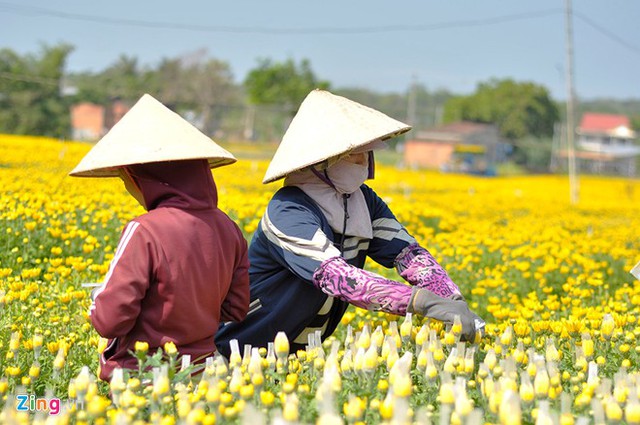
<point x="177" y="272"/>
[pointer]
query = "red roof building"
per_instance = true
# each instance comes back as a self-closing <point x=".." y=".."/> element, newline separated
<point x="606" y="144"/>
<point x="603" y="123"/>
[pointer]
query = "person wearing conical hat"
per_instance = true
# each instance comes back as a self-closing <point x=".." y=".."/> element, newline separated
<point x="182" y="267"/>
<point x="308" y="253"/>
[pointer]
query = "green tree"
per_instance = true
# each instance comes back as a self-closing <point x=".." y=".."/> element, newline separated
<point x="281" y="83"/>
<point x="199" y="85"/>
<point x="517" y="109"/>
<point x="194" y="85"/>
<point x="31" y="101"/>
<point x="125" y="80"/>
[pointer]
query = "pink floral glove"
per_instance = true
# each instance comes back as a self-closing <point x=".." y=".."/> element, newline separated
<point x="361" y="288"/>
<point x="419" y="268"/>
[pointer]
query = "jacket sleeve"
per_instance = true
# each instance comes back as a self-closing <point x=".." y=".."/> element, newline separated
<point x="389" y="236"/>
<point x="236" y="304"/>
<point x="118" y="302"/>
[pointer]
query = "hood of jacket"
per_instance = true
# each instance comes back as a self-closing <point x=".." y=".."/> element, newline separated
<point x="186" y="184"/>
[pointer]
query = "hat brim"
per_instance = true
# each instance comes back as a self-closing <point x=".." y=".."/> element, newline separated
<point x="148" y="133"/>
<point x="375" y="144"/>
<point x="115" y="171"/>
<point x="325" y="126"/>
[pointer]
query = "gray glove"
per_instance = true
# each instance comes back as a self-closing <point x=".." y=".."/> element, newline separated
<point x="428" y="304"/>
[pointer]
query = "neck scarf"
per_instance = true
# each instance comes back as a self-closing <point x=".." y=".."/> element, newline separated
<point x="346" y="179"/>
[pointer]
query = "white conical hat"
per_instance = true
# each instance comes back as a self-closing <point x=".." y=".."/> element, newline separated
<point x="149" y="132"/>
<point x="325" y="126"/>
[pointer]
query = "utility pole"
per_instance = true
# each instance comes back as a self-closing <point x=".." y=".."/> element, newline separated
<point x="574" y="185"/>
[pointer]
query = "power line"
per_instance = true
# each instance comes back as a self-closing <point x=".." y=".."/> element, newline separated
<point x="607" y="33"/>
<point x="35" y="11"/>
<point x="41" y="11"/>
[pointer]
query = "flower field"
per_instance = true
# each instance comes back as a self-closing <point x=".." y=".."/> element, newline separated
<point x="552" y="280"/>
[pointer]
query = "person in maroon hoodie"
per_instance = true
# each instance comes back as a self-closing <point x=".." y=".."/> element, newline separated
<point x="181" y="268"/>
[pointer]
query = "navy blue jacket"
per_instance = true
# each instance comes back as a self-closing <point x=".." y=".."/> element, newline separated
<point x="291" y="242"/>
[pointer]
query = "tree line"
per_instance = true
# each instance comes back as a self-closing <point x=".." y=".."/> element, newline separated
<point x="36" y="94"/>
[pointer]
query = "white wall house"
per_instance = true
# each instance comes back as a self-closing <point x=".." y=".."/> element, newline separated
<point x="607" y="144"/>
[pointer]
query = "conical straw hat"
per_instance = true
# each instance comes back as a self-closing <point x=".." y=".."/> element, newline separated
<point x="149" y="132"/>
<point x="325" y="126"/>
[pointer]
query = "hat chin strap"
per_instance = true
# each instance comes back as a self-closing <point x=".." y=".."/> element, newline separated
<point x="372" y="166"/>
<point x="323" y="176"/>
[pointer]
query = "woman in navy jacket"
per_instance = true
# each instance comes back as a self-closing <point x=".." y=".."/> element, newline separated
<point x="308" y="253"/>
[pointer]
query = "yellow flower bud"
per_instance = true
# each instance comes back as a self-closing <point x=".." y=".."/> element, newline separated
<point x="607" y="326"/>
<point x="456" y="328"/>
<point x="402" y="385"/>
<point x="386" y="408"/>
<point x="14" y="342"/>
<point x="246" y="391"/>
<point x="267" y="398"/>
<point x="281" y="345"/>
<point x="37" y="341"/>
<point x="58" y="362"/>
<point x="587" y="346"/>
<point x="354" y="409"/>
<point x="541" y="383"/>
<point x="450" y="338"/>
<point x="406" y="327"/>
<point x="161" y="385"/>
<point x="613" y="411"/>
<point x="141" y="347"/>
<point x="632" y="412"/>
<point x="170" y="348"/>
<point x="370" y="360"/>
<point x="447" y="395"/>
<point x="196" y="416"/>
<point x="34" y="370"/>
<point x="290" y="410"/>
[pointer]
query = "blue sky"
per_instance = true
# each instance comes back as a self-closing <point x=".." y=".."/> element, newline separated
<point x="379" y="45"/>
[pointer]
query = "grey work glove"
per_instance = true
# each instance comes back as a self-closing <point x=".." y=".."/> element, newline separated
<point x="428" y="304"/>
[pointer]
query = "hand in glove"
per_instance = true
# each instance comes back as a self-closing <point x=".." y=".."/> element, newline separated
<point x="428" y="304"/>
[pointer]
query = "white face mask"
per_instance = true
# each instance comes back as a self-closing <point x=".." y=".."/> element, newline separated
<point x="347" y="177"/>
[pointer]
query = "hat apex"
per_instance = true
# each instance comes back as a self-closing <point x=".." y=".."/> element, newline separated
<point x="328" y="125"/>
<point x="149" y="132"/>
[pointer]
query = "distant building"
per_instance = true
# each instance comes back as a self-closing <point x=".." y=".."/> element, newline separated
<point x="606" y="144"/>
<point x="89" y="121"/>
<point x="460" y="147"/>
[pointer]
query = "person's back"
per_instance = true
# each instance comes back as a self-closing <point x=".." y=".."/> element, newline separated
<point x="188" y="253"/>
<point x="181" y="268"/>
